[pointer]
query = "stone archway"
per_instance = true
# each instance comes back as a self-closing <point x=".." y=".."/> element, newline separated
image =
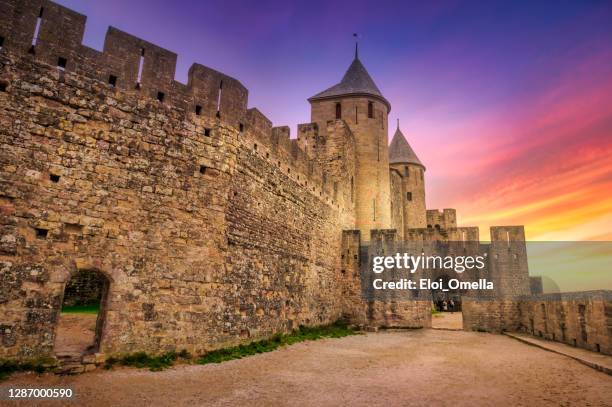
<point x="82" y="318"/>
<point x="447" y="303"/>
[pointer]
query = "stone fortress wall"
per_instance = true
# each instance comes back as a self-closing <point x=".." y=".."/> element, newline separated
<point x="212" y="226"/>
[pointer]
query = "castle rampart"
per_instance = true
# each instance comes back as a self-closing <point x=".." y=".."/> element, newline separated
<point x="195" y="217"/>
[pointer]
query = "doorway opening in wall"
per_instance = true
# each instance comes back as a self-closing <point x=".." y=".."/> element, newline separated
<point x="446" y="307"/>
<point x="81" y="320"/>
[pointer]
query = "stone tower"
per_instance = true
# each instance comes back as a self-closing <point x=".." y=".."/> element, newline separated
<point x="407" y="165"/>
<point x="358" y="101"/>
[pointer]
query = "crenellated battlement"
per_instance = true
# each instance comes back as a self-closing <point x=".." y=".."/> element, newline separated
<point x="53" y="34"/>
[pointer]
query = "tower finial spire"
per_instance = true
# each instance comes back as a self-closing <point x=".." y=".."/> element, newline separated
<point x="398" y="123"/>
<point x="356" y="45"/>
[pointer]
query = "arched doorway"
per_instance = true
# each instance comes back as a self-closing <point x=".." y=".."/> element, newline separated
<point x="82" y="316"/>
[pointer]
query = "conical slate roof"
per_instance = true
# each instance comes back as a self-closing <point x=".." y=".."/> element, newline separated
<point x="400" y="151"/>
<point x="356" y="81"/>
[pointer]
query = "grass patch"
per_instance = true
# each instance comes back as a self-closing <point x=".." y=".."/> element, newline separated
<point x="8" y="367"/>
<point x="267" y="345"/>
<point x="143" y="360"/>
<point x="435" y="311"/>
<point x="81" y="309"/>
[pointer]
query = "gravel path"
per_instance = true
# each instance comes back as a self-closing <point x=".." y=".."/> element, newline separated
<point x="416" y="368"/>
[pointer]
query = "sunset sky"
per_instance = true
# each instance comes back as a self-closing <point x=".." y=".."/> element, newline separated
<point x="509" y="105"/>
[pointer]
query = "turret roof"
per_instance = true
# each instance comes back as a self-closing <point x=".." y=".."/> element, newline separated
<point x="400" y="151"/>
<point x="356" y="81"/>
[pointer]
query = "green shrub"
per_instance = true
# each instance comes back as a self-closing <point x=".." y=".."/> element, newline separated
<point x="143" y="360"/>
<point x="8" y="367"/>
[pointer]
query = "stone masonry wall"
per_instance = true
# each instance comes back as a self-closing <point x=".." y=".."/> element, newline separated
<point x="202" y="240"/>
<point x="582" y="319"/>
<point x="93" y="178"/>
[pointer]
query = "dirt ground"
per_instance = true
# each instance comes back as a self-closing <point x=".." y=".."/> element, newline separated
<point x="417" y="368"/>
<point x="447" y="320"/>
<point x="75" y="332"/>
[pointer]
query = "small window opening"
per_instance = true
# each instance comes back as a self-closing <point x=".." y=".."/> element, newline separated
<point x="267" y="155"/>
<point x="61" y="63"/>
<point x="54" y="177"/>
<point x="338" y="111"/>
<point x="1" y="42"/>
<point x="597" y="347"/>
<point x="374" y="209"/>
<point x="241" y="127"/>
<point x="41" y="233"/>
<point x="198" y="110"/>
<point x="406" y="172"/>
<point x="370" y="110"/>
<point x="207" y="132"/>
<point x="160" y="96"/>
<point x="3" y="86"/>
<point x="409" y="196"/>
<point x="202" y="169"/>
<point x="112" y="80"/>
<point x="255" y="146"/>
<point x="219" y="99"/>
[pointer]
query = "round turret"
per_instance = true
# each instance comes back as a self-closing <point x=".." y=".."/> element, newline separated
<point x="359" y="103"/>
<point x="408" y="185"/>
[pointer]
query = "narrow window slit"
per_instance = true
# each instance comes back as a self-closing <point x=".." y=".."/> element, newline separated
<point x="54" y="177"/>
<point x="161" y="96"/>
<point x="219" y="99"/>
<point x="202" y="169"/>
<point x="1" y="42"/>
<point x="3" y="86"/>
<point x="198" y="110"/>
<point x="112" y="80"/>
<point x="207" y="132"/>
<point x="241" y="127"/>
<point x="36" y="31"/>
<point x="140" y="65"/>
